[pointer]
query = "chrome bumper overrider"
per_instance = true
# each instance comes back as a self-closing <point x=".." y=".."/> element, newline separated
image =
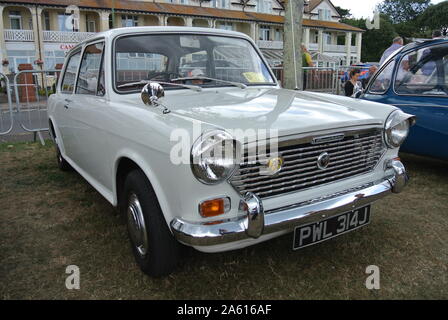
<point x="257" y="222"/>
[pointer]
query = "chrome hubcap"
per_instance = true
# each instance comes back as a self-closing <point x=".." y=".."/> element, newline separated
<point x="136" y="225"/>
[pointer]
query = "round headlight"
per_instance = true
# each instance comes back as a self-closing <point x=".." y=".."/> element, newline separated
<point x="397" y="127"/>
<point x="214" y="157"/>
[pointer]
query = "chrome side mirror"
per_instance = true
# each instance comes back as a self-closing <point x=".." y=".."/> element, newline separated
<point x="358" y="90"/>
<point x="151" y="93"/>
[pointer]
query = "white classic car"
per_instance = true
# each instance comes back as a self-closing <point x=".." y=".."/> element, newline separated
<point x="189" y="134"/>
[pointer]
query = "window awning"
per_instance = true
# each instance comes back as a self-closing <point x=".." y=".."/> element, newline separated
<point x="317" y="56"/>
<point x="274" y="57"/>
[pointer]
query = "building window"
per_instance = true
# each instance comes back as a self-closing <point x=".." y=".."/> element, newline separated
<point x="15" y="20"/>
<point x="278" y="35"/>
<point x="183" y="1"/>
<point x="324" y="14"/>
<point x="129" y="21"/>
<point x="225" y="25"/>
<point x="265" y="33"/>
<point x="91" y="25"/>
<point x="66" y="23"/>
<point x="264" y="6"/>
<point x="224" y="4"/>
<point x="47" y="25"/>
<point x="327" y="38"/>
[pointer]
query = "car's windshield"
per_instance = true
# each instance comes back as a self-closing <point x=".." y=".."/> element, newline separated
<point x="187" y="59"/>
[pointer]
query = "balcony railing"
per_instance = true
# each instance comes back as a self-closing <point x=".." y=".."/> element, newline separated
<point x="313" y="46"/>
<point x="334" y="48"/>
<point x="66" y="36"/>
<point x="265" y="44"/>
<point x="339" y="48"/>
<point x="18" y="35"/>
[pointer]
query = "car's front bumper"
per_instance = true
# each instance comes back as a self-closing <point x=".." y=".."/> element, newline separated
<point x="258" y="222"/>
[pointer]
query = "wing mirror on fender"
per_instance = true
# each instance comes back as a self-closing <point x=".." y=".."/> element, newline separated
<point x="151" y="93"/>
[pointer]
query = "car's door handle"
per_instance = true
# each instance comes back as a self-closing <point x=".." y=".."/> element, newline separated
<point x="67" y="101"/>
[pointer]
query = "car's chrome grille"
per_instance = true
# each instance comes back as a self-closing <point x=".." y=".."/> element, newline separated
<point x="357" y="153"/>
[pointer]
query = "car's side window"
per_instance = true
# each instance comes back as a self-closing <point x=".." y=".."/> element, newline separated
<point x="423" y="72"/>
<point x="68" y="80"/>
<point x="383" y="80"/>
<point x="89" y="70"/>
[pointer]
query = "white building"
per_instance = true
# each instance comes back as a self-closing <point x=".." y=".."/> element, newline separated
<point x="46" y="29"/>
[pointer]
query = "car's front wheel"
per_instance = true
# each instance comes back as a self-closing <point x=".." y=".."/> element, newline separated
<point x="154" y="247"/>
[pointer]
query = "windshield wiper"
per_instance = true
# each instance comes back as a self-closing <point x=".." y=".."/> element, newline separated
<point x="236" y="84"/>
<point x="130" y="84"/>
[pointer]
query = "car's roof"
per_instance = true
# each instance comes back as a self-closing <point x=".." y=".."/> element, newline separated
<point x="110" y="34"/>
<point x="414" y="45"/>
<point x="423" y="43"/>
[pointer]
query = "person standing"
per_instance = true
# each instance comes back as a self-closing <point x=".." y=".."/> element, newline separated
<point x="349" y="86"/>
<point x="396" y="44"/>
<point x="307" y="62"/>
<point x="372" y="70"/>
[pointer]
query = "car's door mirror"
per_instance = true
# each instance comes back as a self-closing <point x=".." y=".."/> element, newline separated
<point x="151" y="93"/>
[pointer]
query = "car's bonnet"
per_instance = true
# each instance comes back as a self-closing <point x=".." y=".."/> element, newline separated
<point x="285" y="110"/>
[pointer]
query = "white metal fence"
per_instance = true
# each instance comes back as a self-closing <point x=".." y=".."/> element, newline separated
<point x="6" y="110"/>
<point x="31" y="90"/>
<point x="323" y="79"/>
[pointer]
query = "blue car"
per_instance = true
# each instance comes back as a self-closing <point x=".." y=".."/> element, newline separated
<point x="415" y="79"/>
<point x="363" y="67"/>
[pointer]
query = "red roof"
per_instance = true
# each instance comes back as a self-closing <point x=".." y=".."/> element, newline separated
<point x="176" y="9"/>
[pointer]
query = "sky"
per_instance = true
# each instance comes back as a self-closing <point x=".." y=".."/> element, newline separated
<point x="363" y="8"/>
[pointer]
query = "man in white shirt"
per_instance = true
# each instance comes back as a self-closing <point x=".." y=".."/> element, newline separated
<point x="397" y="44"/>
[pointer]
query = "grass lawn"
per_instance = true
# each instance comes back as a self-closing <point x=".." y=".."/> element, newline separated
<point x="50" y="219"/>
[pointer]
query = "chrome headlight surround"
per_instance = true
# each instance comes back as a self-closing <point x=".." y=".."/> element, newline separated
<point x="214" y="157"/>
<point x="396" y="129"/>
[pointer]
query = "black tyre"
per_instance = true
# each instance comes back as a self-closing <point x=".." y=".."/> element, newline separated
<point x="62" y="164"/>
<point x="155" y="249"/>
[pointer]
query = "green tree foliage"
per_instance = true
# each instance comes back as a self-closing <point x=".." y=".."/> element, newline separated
<point x="403" y="10"/>
<point x="434" y="18"/>
<point x="345" y="13"/>
<point x="374" y="42"/>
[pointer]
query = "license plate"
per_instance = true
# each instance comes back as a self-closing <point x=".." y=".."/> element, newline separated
<point x="323" y="230"/>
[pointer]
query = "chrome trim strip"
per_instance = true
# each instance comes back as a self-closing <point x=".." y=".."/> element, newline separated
<point x="203" y="234"/>
<point x="303" y="138"/>
<point x="419" y="105"/>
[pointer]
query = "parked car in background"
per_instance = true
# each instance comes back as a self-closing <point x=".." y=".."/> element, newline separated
<point x="415" y="80"/>
<point x="126" y="96"/>
<point x="363" y="67"/>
